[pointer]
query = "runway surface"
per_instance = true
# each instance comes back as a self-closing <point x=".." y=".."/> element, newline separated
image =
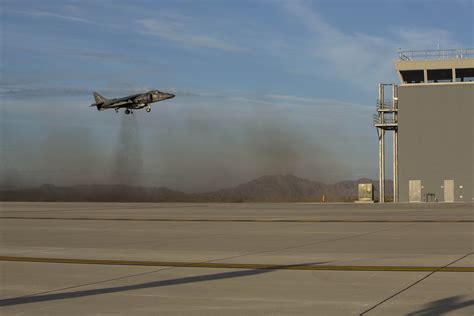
<point x="236" y="259"/>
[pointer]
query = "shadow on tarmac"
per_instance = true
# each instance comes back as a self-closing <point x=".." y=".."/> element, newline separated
<point x="443" y="306"/>
<point x="108" y="290"/>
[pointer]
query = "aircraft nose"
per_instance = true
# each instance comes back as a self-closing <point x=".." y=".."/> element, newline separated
<point x="170" y="95"/>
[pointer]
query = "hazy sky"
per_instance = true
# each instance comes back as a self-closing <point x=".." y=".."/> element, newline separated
<point x="262" y="87"/>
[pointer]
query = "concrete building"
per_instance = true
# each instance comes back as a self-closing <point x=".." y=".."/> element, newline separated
<point x="431" y="113"/>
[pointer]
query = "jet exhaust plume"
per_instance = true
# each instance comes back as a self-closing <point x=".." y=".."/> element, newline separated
<point x="128" y="164"/>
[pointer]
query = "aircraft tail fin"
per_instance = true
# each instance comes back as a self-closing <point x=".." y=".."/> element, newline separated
<point x="98" y="98"/>
<point x="99" y="101"/>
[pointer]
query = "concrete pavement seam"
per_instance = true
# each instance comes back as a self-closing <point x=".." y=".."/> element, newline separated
<point x="413" y="284"/>
<point x="93" y="283"/>
<point x="232" y="220"/>
<point x="309" y="244"/>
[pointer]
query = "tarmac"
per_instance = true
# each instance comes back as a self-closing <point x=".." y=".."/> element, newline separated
<point x="236" y="259"/>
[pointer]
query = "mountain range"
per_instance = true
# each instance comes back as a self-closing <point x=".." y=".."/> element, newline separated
<point x="269" y="188"/>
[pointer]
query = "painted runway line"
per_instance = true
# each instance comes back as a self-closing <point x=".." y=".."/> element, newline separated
<point x="247" y="266"/>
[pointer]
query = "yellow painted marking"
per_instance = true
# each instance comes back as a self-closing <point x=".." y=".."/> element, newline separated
<point x="241" y="220"/>
<point x="236" y="265"/>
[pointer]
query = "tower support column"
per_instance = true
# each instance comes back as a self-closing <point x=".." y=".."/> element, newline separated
<point x="386" y="119"/>
<point x="381" y="133"/>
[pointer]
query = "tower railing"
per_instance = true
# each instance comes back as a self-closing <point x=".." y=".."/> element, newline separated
<point x="456" y="53"/>
<point x="377" y="120"/>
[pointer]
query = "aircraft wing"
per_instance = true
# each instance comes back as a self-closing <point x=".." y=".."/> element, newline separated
<point x="128" y="100"/>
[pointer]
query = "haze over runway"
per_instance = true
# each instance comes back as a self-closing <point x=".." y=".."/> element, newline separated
<point x="262" y="87"/>
<point x="234" y="259"/>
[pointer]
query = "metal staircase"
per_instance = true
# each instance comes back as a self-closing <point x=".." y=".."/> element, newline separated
<point x="386" y="119"/>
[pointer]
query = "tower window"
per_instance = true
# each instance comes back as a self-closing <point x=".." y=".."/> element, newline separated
<point x="465" y="75"/>
<point x="440" y="75"/>
<point x="412" y="76"/>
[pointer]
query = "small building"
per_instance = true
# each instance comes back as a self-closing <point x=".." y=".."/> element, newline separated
<point x="432" y="115"/>
<point x="365" y="193"/>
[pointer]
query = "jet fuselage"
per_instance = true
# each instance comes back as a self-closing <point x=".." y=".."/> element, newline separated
<point x="131" y="102"/>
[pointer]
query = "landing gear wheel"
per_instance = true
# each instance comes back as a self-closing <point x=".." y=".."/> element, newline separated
<point x="116" y="110"/>
<point x="127" y="111"/>
<point x="148" y="109"/>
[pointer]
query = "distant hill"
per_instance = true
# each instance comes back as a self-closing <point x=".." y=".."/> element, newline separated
<point x="289" y="188"/>
<point x="274" y="188"/>
<point x="270" y="188"/>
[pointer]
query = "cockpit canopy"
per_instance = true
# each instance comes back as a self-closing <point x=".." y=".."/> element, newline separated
<point x="159" y="96"/>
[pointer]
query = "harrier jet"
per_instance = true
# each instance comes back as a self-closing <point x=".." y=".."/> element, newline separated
<point x="132" y="102"/>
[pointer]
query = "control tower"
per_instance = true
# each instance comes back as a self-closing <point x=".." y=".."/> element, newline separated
<point x="431" y="114"/>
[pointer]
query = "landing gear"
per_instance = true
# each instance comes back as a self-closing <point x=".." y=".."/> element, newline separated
<point x="127" y="111"/>
<point x="148" y="109"/>
<point x="116" y="110"/>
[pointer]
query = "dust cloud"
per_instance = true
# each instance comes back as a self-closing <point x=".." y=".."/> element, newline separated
<point x="182" y="146"/>
<point x="212" y="147"/>
<point x="60" y="154"/>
